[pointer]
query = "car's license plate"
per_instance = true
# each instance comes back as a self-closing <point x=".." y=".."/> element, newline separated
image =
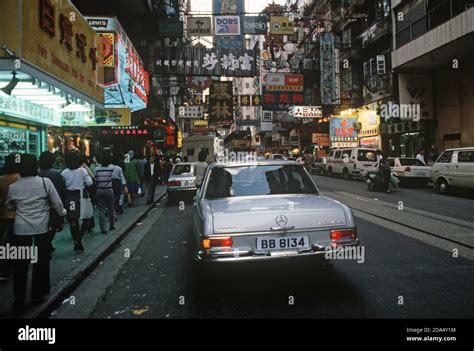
<point x="282" y="243"/>
<point x="187" y="183"/>
<point x="421" y="174"/>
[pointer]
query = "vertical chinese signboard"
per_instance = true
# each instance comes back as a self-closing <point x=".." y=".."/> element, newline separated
<point x="220" y="102"/>
<point x="328" y="69"/>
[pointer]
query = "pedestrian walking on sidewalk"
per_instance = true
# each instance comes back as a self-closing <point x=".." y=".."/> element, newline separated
<point x="119" y="185"/>
<point x="152" y="176"/>
<point x="46" y="162"/>
<point x="31" y="198"/>
<point x="105" y="193"/>
<point x="385" y="172"/>
<point x="76" y="179"/>
<point x="200" y="167"/>
<point x="141" y="171"/>
<point x="132" y="176"/>
<point x="7" y="217"/>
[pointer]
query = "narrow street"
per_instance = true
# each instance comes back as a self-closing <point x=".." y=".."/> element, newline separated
<point x="158" y="280"/>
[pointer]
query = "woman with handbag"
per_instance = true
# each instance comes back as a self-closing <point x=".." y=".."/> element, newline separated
<point x="78" y="204"/>
<point x="31" y="198"/>
<point x="46" y="162"/>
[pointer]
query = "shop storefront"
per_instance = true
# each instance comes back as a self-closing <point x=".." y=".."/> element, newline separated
<point x="48" y="70"/>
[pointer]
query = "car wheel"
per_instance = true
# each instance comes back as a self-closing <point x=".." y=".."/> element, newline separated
<point x="442" y="186"/>
<point x="329" y="172"/>
<point x="345" y="174"/>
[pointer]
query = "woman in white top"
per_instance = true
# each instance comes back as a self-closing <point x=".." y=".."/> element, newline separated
<point x="31" y="197"/>
<point x="76" y="179"/>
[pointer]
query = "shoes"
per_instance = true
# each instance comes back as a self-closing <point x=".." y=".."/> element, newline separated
<point x="78" y="246"/>
<point x="18" y="307"/>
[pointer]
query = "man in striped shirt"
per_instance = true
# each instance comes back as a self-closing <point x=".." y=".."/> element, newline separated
<point x="105" y="194"/>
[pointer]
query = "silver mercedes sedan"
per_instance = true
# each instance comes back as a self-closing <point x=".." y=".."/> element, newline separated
<point x="266" y="210"/>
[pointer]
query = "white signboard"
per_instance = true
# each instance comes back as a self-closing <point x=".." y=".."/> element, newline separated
<point x="267" y="116"/>
<point x="227" y="25"/>
<point x="191" y="112"/>
<point x="306" y="111"/>
<point x="199" y="26"/>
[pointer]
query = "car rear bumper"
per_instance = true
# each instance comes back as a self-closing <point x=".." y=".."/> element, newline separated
<point x="242" y="256"/>
<point x="182" y="190"/>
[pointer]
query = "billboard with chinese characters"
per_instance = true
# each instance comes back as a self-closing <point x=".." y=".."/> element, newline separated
<point x="281" y="25"/>
<point x="127" y="84"/>
<point x="283" y="82"/>
<point x="343" y="130"/>
<point x="274" y="100"/>
<point x="200" y="61"/>
<point x="329" y="92"/>
<point x="54" y="37"/>
<point x="306" y="111"/>
<point x="220" y="102"/>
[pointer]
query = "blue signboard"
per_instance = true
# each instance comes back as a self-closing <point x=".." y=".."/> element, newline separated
<point x="343" y="129"/>
<point x="229" y="7"/>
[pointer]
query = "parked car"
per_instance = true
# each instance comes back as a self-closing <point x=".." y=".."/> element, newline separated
<point x="454" y="168"/>
<point x="242" y="213"/>
<point x="353" y="162"/>
<point x="410" y="170"/>
<point x="182" y="182"/>
<point x="278" y="157"/>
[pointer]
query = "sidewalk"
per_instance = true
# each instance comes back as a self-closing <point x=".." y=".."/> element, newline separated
<point x="68" y="267"/>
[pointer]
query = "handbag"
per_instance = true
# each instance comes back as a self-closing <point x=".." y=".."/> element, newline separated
<point x="56" y="222"/>
<point x="87" y="210"/>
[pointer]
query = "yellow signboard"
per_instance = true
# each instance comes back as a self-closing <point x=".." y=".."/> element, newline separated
<point x="281" y="25"/>
<point x="109" y="117"/>
<point x="55" y="38"/>
<point x="180" y="139"/>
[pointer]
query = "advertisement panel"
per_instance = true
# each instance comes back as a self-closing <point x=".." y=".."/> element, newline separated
<point x="281" y="25"/>
<point x="254" y="25"/>
<point x="109" y="117"/>
<point x="191" y="112"/>
<point x="321" y="139"/>
<point x="227" y="25"/>
<point x="170" y="27"/>
<point x="328" y="66"/>
<point x="64" y="48"/>
<point x="343" y="130"/>
<point x="199" y="26"/>
<point x="27" y="110"/>
<point x="107" y="49"/>
<point x="283" y="82"/>
<point x="220" y="102"/>
<point x="228" y="7"/>
<point x="273" y="100"/>
<point x="306" y="111"/>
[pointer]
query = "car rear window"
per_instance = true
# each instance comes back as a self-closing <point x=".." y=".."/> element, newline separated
<point x="366" y="156"/>
<point x="278" y="157"/>
<point x="181" y="169"/>
<point x="411" y="162"/>
<point x="259" y="180"/>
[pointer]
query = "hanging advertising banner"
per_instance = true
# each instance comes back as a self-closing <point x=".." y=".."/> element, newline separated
<point x="228" y="7"/>
<point x="109" y="117"/>
<point x="306" y="111"/>
<point x="281" y="100"/>
<point x="328" y="69"/>
<point x="191" y="112"/>
<point x="107" y="49"/>
<point x="170" y="27"/>
<point x="28" y="110"/>
<point x="128" y="84"/>
<point x="227" y="25"/>
<point x="254" y="25"/>
<point x="199" y="83"/>
<point x="267" y="116"/>
<point x="283" y="82"/>
<point x="170" y="137"/>
<point x="199" y="26"/>
<point x="220" y="102"/>
<point x="281" y="25"/>
<point x="200" y="123"/>
<point x="343" y="130"/>
<point x="199" y="61"/>
<point x="321" y="139"/>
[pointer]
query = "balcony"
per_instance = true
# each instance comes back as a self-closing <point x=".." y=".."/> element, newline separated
<point x="444" y="32"/>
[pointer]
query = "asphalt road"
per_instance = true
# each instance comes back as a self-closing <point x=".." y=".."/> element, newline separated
<point x="459" y="205"/>
<point x="400" y="278"/>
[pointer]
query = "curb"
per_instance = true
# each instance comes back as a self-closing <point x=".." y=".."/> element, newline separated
<point x="63" y="289"/>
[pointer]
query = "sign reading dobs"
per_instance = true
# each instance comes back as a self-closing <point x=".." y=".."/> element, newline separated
<point x="283" y="82"/>
<point x="191" y="112"/>
<point x="200" y="61"/>
<point x="220" y="101"/>
<point x="281" y="25"/>
<point x="227" y="25"/>
<point x="254" y="25"/>
<point x="306" y="111"/>
<point x="199" y="26"/>
<point x="62" y="47"/>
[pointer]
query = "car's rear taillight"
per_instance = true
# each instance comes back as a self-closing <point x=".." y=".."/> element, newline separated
<point x="407" y="169"/>
<point x="217" y="242"/>
<point x="340" y="234"/>
<point x="174" y="183"/>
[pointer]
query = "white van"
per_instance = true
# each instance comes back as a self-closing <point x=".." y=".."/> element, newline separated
<point x="454" y="168"/>
<point x="352" y="162"/>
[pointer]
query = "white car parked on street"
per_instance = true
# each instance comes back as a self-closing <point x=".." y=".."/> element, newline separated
<point x="454" y="168"/>
<point x="410" y="170"/>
